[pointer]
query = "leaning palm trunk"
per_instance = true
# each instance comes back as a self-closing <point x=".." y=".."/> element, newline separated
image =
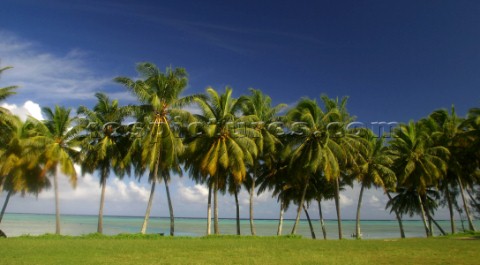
<point x="475" y="203"/>
<point x="57" y="205"/>
<point x="149" y="207"/>
<point x="237" y="205"/>
<point x="465" y="206"/>
<point x="399" y="218"/>
<point x="430" y="217"/>
<point x="170" y="207"/>
<point x="450" y="210"/>
<point x="209" y="210"/>
<point x="312" y="231"/>
<point x="424" y="218"/>
<point x="280" y="219"/>
<point x="252" y="192"/>
<point x="5" y="204"/>
<point x="299" y="209"/>
<point x="358" y="234"/>
<point x="150" y="199"/>
<point x="322" y="222"/>
<point x="102" y="203"/>
<point x="337" y="206"/>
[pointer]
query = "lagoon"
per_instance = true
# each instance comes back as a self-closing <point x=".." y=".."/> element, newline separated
<point x="15" y="224"/>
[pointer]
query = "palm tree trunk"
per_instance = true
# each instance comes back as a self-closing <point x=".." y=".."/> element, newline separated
<point x="57" y="205"/>
<point x="149" y="207"/>
<point x="10" y="192"/>
<point x="309" y="222"/>
<point x="252" y="192"/>
<point x="429" y="217"/>
<point x="215" y="208"/>
<point x="237" y="205"/>
<point x="322" y="222"/>
<point x="337" y="206"/>
<point x="357" y="227"/>
<point x="424" y="218"/>
<point x="399" y="218"/>
<point x="102" y="203"/>
<point x="475" y="203"/>
<point x="450" y="209"/>
<point x="150" y="199"/>
<point x="280" y="219"/>
<point x="209" y="210"/>
<point x="170" y="207"/>
<point x="299" y="209"/>
<point x="465" y="206"/>
<point x="430" y="226"/>
<point x="459" y="210"/>
<point x="436" y="224"/>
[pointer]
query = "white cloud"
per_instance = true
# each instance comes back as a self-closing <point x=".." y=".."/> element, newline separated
<point x="46" y="76"/>
<point x="345" y="200"/>
<point x="374" y="199"/>
<point x="88" y="190"/>
<point x="139" y="192"/>
<point x="29" y="108"/>
<point x="193" y="194"/>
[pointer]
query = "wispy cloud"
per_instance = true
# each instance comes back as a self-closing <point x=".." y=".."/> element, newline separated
<point x="47" y="76"/>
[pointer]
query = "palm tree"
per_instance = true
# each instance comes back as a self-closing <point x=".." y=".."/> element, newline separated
<point x="5" y="92"/>
<point x="322" y="189"/>
<point x="258" y="109"/>
<point x="57" y="149"/>
<point x="418" y="163"/>
<point x="17" y="174"/>
<point x="352" y="148"/>
<point x="448" y="130"/>
<point x="157" y="145"/>
<point x="406" y="202"/>
<point x="375" y="171"/>
<point x="277" y="180"/>
<point x="215" y="147"/>
<point x="314" y="150"/>
<point x="469" y="144"/>
<point x="104" y="142"/>
<point x="5" y="116"/>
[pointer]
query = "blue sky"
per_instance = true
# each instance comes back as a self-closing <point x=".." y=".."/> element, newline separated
<point x="397" y="60"/>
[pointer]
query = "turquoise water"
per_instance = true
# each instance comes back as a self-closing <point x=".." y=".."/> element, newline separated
<point x="37" y="224"/>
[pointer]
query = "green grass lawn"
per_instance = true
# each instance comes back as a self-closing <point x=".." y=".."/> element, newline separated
<point x="118" y="250"/>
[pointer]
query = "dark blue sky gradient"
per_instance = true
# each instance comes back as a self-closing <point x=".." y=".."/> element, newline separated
<point x="397" y="60"/>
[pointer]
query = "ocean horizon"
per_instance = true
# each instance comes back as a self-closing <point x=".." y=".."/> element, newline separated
<point x="17" y="224"/>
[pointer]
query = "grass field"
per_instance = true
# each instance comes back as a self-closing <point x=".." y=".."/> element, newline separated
<point x="134" y="249"/>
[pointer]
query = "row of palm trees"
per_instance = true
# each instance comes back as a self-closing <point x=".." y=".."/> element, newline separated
<point x="303" y="154"/>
